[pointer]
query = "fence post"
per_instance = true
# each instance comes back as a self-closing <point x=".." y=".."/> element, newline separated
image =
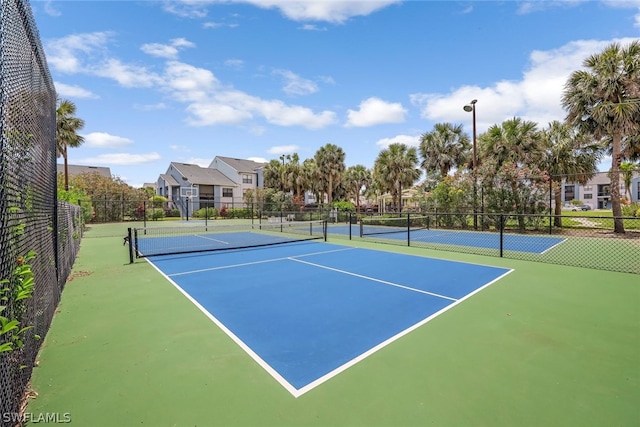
<point x="408" y="229"/>
<point x="502" y="224"/>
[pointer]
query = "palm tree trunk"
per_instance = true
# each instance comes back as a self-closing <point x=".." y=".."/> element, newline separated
<point x="557" y="195"/>
<point x="66" y="170"/>
<point x="616" y="160"/>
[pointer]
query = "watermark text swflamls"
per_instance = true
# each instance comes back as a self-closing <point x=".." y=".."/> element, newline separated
<point x="37" y="417"/>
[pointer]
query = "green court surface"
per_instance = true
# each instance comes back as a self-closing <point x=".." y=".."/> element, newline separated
<point x="547" y="345"/>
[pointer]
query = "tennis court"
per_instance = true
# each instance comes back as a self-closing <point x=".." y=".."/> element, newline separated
<point x="544" y="345"/>
<point x="307" y="311"/>
<point x="536" y="244"/>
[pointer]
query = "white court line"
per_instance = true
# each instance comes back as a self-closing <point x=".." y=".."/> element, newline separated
<point x="279" y="378"/>
<point x="213" y="240"/>
<point x="257" y="262"/>
<point x="373" y="279"/>
<point x="548" y="249"/>
<point x="400" y="334"/>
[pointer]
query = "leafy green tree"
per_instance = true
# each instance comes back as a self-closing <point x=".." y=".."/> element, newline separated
<point x="602" y="100"/>
<point x="67" y="127"/>
<point x="444" y="148"/>
<point x="396" y="168"/>
<point x="567" y="154"/>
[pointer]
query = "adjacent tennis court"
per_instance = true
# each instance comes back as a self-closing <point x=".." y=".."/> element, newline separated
<point x="536" y="244"/>
<point x="307" y="311"/>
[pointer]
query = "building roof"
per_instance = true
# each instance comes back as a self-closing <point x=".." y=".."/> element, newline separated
<point x="195" y="174"/>
<point x="241" y="165"/>
<point x="169" y="180"/>
<point x="78" y="170"/>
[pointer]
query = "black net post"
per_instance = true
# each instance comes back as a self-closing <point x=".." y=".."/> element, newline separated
<point x="130" y="242"/>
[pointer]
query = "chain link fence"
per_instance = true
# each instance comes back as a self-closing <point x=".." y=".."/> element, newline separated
<point x="581" y="241"/>
<point x="39" y="238"/>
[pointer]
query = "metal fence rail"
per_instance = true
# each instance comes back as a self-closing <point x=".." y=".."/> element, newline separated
<point x="35" y="254"/>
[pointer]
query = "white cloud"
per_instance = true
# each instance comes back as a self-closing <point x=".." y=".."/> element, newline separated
<point x="179" y="148"/>
<point x="337" y="11"/>
<point x="283" y="149"/>
<point x="50" y="9"/>
<point x="189" y="83"/>
<point x="64" y="54"/>
<point x="209" y="113"/>
<point x="235" y="107"/>
<point x="203" y="163"/>
<point x="312" y="27"/>
<point x="73" y="91"/>
<point x="104" y="140"/>
<point x="168" y="51"/>
<point x="409" y="140"/>
<point x="121" y="159"/>
<point x="296" y="85"/>
<point x="258" y="159"/>
<point x="207" y="101"/>
<point x="160" y="50"/>
<point x="535" y="97"/>
<point x="151" y="107"/>
<point x="234" y="63"/>
<point x="218" y="25"/>
<point x="186" y="8"/>
<point x="126" y="75"/>
<point x="374" y="111"/>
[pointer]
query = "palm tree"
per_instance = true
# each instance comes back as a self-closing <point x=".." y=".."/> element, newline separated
<point x="626" y="170"/>
<point x="603" y="101"/>
<point x="271" y="174"/>
<point x="67" y="127"/>
<point x="312" y="178"/>
<point x="330" y="160"/>
<point x="568" y="154"/>
<point x="515" y="142"/>
<point x="395" y="168"/>
<point x="444" y="148"/>
<point x="357" y="177"/>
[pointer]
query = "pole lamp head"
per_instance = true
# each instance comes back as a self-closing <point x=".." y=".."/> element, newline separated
<point x="469" y="107"/>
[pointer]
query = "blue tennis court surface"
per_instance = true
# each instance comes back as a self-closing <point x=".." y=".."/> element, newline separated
<point x="307" y="311"/>
<point x="477" y="239"/>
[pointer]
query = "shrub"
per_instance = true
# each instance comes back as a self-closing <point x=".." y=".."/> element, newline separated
<point x="206" y="213"/>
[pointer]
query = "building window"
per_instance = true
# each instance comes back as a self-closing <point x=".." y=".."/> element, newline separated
<point x="227" y="192"/>
<point x="604" y="190"/>
<point x="569" y="192"/>
<point x="588" y="188"/>
<point x="588" y="196"/>
<point x="247" y="179"/>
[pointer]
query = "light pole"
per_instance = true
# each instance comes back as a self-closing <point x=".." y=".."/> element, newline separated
<point x="471" y="108"/>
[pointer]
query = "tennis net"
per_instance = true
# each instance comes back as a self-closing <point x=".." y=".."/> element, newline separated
<point x="150" y="241"/>
<point x="370" y="226"/>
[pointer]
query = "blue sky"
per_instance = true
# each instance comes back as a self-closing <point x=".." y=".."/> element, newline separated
<point x="185" y="81"/>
